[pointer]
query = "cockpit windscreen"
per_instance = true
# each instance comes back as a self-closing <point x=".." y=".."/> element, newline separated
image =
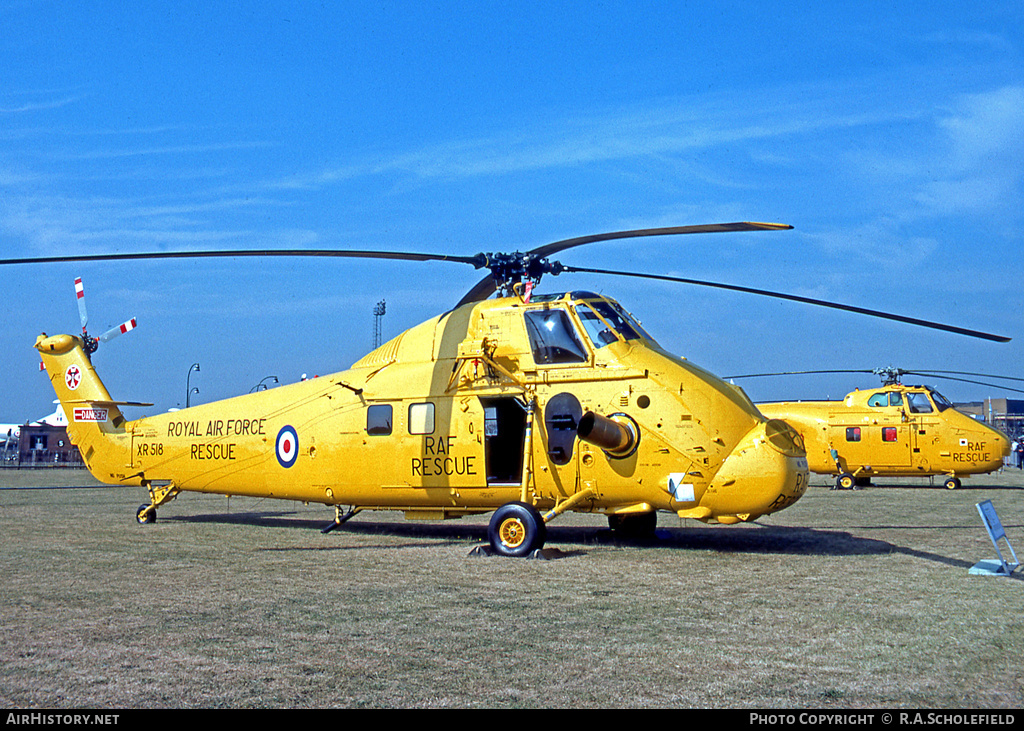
<point x="602" y="320"/>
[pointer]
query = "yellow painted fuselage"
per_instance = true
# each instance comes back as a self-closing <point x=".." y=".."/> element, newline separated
<point x="461" y="414"/>
<point x="896" y="430"/>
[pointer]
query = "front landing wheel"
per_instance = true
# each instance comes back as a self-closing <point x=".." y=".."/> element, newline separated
<point x="845" y="481"/>
<point x="146" y="514"/>
<point x="516" y="529"/>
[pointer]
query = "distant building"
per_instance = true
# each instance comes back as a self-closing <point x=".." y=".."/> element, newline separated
<point x="46" y="445"/>
<point x="1002" y="413"/>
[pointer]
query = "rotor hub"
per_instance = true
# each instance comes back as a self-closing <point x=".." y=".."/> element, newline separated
<point x="889" y="375"/>
<point x="508" y="270"/>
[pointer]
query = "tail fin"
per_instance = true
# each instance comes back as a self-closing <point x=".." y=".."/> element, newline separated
<point x="95" y="423"/>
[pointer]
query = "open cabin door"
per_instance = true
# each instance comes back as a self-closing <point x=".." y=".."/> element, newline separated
<point x="555" y="447"/>
<point x="504" y="439"/>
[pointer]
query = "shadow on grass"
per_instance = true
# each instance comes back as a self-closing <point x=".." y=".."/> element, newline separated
<point x="574" y="541"/>
<point x="966" y="486"/>
<point x="746" y="539"/>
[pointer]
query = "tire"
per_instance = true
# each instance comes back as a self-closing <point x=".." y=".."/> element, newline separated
<point x="951" y="483"/>
<point x="145" y="514"/>
<point x="516" y="530"/>
<point x="845" y="481"/>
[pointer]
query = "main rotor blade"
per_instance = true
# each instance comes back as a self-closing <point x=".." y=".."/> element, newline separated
<point x="791" y="373"/>
<point x="705" y="228"/>
<point x="929" y="374"/>
<point x="797" y="298"/>
<point x="487" y="286"/>
<point x="966" y="373"/>
<point x="480" y="291"/>
<point x="967" y="380"/>
<point x="476" y="261"/>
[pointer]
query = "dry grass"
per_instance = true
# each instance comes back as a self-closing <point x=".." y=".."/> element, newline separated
<point x="846" y="600"/>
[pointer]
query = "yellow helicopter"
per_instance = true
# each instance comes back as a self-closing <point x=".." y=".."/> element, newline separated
<point x="896" y="430"/>
<point x="522" y="405"/>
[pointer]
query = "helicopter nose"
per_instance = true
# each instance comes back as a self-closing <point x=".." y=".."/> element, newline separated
<point x="1002" y="447"/>
<point x="766" y="472"/>
<point x="986" y="449"/>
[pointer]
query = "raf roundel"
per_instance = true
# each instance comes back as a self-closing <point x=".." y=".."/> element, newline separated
<point x="287" y="446"/>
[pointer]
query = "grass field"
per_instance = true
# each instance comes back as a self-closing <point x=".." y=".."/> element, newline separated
<point x="857" y="599"/>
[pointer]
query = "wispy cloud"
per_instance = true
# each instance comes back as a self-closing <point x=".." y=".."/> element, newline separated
<point x="981" y="167"/>
<point x="161" y="150"/>
<point x="666" y="129"/>
<point x="8" y="108"/>
<point x="965" y="157"/>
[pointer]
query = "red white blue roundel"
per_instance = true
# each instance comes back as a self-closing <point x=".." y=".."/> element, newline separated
<point x="287" y="446"/>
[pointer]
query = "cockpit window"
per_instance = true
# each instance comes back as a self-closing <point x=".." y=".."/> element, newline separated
<point x="941" y="402"/>
<point x="602" y="320"/>
<point x="553" y="338"/>
<point x="919" y="403"/>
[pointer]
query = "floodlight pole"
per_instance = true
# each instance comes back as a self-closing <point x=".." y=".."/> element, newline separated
<point x="378" y="313"/>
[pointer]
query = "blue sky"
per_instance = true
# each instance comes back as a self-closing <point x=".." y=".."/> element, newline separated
<point x="890" y="136"/>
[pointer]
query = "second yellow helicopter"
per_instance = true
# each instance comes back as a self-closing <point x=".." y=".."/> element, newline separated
<point x="895" y="430"/>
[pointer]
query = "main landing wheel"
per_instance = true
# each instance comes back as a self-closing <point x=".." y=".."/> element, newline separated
<point x="516" y="529"/>
<point x="951" y="483"/>
<point x="146" y="514"/>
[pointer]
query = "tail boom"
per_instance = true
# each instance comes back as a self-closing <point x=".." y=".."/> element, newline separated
<point x="95" y="423"/>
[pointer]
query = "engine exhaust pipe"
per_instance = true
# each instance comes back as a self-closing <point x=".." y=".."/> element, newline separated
<point x="618" y="438"/>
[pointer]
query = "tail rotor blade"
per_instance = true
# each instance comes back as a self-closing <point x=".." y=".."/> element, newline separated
<point x="80" y="294"/>
<point x="115" y="331"/>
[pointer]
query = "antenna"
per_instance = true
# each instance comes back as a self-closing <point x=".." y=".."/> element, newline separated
<point x="378" y="313"/>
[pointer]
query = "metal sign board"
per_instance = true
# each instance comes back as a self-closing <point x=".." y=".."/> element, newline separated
<point x="995" y="530"/>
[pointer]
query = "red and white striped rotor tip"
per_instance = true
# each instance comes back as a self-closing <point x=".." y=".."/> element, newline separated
<point x="120" y="329"/>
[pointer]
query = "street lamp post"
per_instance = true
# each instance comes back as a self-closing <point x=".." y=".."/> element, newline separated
<point x="188" y="389"/>
<point x="262" y="386"/>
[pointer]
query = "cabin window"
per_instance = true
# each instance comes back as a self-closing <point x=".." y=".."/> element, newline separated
<point x="919" y="403"/>
<point x="853" y="433"/>
<point x="421" y="418"/>
<point x="888" y="434"/>
<point x="553" y="338"/>
<point x="887" y="398"/>
<point x="379" y="420"/>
